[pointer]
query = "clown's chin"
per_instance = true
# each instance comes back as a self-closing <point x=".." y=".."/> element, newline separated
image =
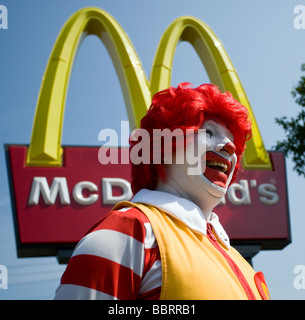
<point x="216" y="188"/>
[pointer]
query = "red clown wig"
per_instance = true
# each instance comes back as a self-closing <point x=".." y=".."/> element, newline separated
<point x="185" y="107"/>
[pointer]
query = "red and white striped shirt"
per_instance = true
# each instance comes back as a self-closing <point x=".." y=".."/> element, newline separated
<point x="119" y="258"/>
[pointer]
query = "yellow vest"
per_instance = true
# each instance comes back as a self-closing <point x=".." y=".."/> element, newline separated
<point x="196" y="267"/>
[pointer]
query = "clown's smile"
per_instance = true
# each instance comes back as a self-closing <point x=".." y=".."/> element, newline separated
<point x="217" y="166"/>
<point x="217" y="169"/>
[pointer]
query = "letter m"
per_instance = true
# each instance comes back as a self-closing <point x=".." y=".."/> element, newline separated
<point x="40" y="187"/>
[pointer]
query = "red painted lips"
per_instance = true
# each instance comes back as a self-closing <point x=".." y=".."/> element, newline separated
<point x="217" y="168"/>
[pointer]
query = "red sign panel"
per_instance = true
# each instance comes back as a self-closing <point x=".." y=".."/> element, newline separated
<point x="54" y="207"/>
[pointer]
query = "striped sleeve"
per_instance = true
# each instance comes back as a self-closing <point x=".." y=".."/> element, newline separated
<point x="117" y="260"/>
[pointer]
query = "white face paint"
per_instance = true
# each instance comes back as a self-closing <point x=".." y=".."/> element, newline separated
<point x="218" y="157"/>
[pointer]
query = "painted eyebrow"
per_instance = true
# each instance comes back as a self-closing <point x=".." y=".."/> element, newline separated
<point x="216" y="129"/>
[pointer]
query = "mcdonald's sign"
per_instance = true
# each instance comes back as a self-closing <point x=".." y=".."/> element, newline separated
<point x="58" y="192"/>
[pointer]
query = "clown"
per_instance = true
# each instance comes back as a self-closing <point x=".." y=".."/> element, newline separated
<point x="167" y="243"/>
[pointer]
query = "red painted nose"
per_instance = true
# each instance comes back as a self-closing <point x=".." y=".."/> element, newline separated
<point x="230" y="148"/>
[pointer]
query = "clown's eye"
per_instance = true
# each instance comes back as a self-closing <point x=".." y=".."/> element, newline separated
<point x="209" y="132"/>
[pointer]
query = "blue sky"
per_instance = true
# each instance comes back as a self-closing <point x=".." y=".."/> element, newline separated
<point x="262" y="43"/>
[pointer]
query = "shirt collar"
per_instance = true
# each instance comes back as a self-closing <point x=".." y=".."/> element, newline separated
<point x="184" y="210"/>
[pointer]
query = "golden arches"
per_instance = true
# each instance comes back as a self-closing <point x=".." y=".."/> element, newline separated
<point x="45" y="147"/>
